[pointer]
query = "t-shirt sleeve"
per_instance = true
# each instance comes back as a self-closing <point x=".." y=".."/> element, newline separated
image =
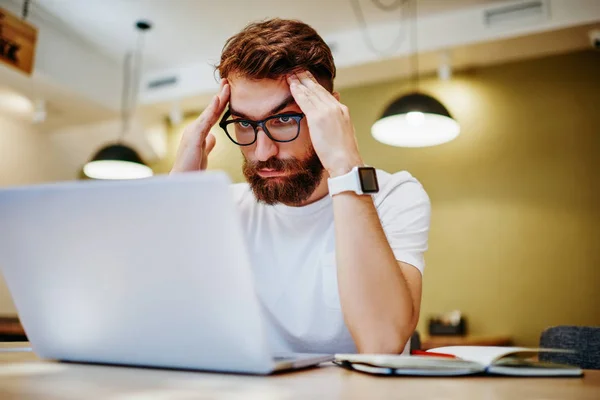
<point x="405" y="214"/>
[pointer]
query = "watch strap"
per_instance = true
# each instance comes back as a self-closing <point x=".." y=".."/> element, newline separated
<point x="345" y="183"/>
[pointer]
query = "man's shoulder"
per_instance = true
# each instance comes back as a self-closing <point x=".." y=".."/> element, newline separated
<point x="395" y="177"/>
<point x="400" y="184"/>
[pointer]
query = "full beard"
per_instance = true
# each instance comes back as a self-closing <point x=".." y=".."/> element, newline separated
<point x="303" y="177"/>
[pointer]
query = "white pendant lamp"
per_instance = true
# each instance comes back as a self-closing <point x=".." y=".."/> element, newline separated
<point x="415" y="119"/>
<point x="117" y="160"/>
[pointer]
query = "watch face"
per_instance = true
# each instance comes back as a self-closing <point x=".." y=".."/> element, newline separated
<point x="368" y="180"/>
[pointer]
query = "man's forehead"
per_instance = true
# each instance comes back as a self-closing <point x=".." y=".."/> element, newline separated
<point x="257" y="99"/>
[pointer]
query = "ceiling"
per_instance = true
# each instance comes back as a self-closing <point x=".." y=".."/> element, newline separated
<point x="63" y="107"/>
<point x="81" y="44"/>
<point x="192" y="31"/>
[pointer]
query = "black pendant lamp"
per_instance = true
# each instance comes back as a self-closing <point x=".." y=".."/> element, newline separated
<point x="415" y="119"/>
<point x="117" y="160"/>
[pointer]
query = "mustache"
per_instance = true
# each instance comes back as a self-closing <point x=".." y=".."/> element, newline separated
<point x="277" y="164"/>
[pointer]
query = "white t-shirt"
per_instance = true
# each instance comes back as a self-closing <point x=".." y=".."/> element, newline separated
<point x="292" y="252"/>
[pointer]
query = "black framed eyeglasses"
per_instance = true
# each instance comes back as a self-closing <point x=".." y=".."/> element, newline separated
<point x="279" y="128"/>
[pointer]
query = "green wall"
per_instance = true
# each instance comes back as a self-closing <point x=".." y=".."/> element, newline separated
<point x="515" y="235"/>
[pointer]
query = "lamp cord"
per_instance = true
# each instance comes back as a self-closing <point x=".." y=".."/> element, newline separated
<point x="358" y="12"/>
<point x="131" y="84"/>
<point x="25" y="9"/>
<point x="137" y="69"/>
<point x="125" y="96"/>
<point x="415" y="48"/>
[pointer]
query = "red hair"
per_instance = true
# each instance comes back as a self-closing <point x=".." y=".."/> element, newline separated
<point x="274" y="48"/>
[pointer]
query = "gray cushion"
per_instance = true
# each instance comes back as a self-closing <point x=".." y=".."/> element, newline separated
<point x="585" y="340"/>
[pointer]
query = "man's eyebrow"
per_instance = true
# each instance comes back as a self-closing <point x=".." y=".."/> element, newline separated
<point x="288" y="101"/>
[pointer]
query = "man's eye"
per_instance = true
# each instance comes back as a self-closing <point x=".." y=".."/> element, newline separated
<point x="244" y="124"/>
<point x="284" y="120"/>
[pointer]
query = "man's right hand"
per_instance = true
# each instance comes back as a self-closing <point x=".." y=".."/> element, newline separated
<point x="196" y="141"/>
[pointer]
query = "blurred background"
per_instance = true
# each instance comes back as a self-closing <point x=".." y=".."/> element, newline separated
<point x="515" y="234"/>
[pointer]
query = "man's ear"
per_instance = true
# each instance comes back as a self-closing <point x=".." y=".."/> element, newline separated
<point x="336" y="95"/>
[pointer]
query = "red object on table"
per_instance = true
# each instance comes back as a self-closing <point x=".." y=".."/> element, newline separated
<point x="430" y="354"/>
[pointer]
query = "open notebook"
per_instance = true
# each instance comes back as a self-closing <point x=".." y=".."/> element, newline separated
<point x="459" y="360"/>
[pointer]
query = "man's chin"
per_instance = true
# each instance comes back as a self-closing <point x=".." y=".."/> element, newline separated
<point x="289" y="182"/>
<point x="279" y="190"/>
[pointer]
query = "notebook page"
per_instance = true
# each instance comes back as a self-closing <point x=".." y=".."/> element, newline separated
<point x="484" y="355"/>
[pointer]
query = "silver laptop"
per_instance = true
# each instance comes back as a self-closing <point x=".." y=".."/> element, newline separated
<point x="152" y="272"/>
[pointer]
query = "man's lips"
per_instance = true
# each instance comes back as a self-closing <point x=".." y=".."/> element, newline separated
<point x="271" y="173"/>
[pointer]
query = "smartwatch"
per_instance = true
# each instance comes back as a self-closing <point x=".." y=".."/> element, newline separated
<point x="361" y="180"/>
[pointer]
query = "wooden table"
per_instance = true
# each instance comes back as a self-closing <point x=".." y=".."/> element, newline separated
<point x="24" y="376"/>
<point x="431" y="342"/>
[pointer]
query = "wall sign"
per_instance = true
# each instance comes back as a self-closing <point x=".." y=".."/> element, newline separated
<point x="17" y="42"/>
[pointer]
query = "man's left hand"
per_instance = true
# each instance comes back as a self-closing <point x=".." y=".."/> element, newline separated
<point x="331" y="129"/>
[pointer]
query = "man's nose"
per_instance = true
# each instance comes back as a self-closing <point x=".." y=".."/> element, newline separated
<point x="265" y="147"/>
